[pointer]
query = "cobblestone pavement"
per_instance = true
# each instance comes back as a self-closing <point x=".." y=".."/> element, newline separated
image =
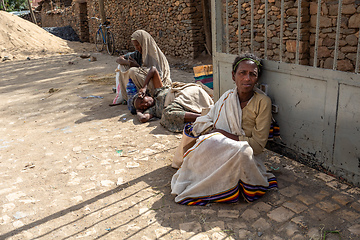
<point x="74" y="168"/>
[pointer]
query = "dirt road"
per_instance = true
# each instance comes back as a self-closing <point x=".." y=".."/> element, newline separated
<point x="72" y="167"/>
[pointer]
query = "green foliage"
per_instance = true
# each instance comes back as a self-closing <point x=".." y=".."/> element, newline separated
<point x="14" y="5"/>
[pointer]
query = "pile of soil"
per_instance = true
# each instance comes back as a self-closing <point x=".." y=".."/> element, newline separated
<point x="21" y="39"/>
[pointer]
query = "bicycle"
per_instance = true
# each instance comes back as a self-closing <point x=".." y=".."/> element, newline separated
<point x="104" y="37"/>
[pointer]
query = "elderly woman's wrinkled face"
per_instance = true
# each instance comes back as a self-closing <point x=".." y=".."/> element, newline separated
<point x="144" y="103"/>
<point x="137" y="45"/>
<point x="246" y="76"/>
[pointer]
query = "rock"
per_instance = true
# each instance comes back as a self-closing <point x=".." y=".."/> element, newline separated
<point x="354" y="21"/>
<point x="92" y="59"/>
<point x="323" y="52"/>
<point x="106" y="183"/>
<point x="291" y="46"/>
<point x="19" y="215"/>
<point x="132" y="165"/>
<point x="14" y="196"/>
<point x="5" y="58"/>
<point x="348" y="9"/>
<point x="18" y="224"/>
<point x="77" y="149"/>
<point x="120" y="181"/>
<point x="328" y="64"/>
<point x="84" y="55"/>
<point x="345" y="65"/>
<point x="352" y="40"/>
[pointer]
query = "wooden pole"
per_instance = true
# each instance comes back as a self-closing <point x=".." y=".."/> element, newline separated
<point x="207" y="25"/>
<point x="3" y="3"/>
<point x="102" y="11"/>
<point x="31" y="12"/>
<point x="102" y="14"/>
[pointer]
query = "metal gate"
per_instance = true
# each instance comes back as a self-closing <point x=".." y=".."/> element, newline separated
<point x="318" y="108"/>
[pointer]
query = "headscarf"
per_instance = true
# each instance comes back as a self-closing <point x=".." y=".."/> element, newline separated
<point x="152" y="55"/>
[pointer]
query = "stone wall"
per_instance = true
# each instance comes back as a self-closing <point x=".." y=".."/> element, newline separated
<point x="348" y="37"/>
<point x="176" y="25"/>
<point x="29" y="18"/>
<point x="350" y="23"/>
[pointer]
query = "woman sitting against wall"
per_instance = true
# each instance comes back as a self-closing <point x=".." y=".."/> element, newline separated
<point x="136" y="65"/>
<point x="222" y="161"/>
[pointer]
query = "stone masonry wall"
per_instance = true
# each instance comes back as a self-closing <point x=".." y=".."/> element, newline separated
<point x="348" y="37"/>
<point x="29" y="18"/>
<point x="273" y="31"/>
<point x="176" y="25"/>
<point x="350" y="23"/>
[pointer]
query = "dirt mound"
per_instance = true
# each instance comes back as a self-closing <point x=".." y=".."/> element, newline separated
<point x="20" y="39"/>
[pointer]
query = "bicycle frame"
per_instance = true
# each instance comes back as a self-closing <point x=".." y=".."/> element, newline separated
<point x="104" y="37"/>
<point x="100" y="29"/>
<point x="103" y="33"/>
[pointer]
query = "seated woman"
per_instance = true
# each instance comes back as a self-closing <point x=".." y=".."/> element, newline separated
<point x="221" y="163"/>
<point x="136" y="65"/>
<point x="175" y="106"/>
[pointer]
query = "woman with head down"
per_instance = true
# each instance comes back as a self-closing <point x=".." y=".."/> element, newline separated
<point x="136" y="65"/>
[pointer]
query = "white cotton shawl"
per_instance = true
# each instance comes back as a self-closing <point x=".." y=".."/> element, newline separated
<point x="192" y="97"/>
<point x="215" y="163"/>
<point x="152" y="55"/>
<point x="226" y="115"/>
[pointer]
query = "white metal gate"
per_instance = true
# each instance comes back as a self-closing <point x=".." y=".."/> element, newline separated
<point x="319" y="110"/>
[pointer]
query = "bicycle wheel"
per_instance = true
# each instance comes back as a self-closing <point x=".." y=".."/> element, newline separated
<point x="99" y="43"/>
<point x="110" y="44"/>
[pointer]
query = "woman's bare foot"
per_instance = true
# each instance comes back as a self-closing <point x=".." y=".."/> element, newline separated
<point x="123" y="102"/>
<point x="114" y="104"/>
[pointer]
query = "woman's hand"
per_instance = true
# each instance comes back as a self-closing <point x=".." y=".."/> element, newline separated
<point x="143" y="117"/>
<point x="132" y="62"/>
<point x="142" y="92"/>
<point x="191" y="117"/>
<point x="219" y="131"/>
<point x="121" y="60"/>
<point x="226" y="134"/>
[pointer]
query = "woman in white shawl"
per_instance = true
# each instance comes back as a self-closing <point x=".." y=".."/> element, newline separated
<point x="136" y="65"/>
<point x="221" y="165"/>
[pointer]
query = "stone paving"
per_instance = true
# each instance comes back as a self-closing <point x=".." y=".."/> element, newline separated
<point x="74" y="168"/>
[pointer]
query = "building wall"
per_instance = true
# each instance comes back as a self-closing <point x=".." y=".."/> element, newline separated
<point x="350" y="24"/>
<point x="348" y="38"/>
<point x="176" y="25"/>
<point x="35" y="3"/>
<point x="74" y="15"/>
<point x="29" y="18"/>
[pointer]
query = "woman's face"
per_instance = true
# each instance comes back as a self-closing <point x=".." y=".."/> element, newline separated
<point x="246" y="76"/>
<point x="144" y="103"/>
<point x="137" y="45"/>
